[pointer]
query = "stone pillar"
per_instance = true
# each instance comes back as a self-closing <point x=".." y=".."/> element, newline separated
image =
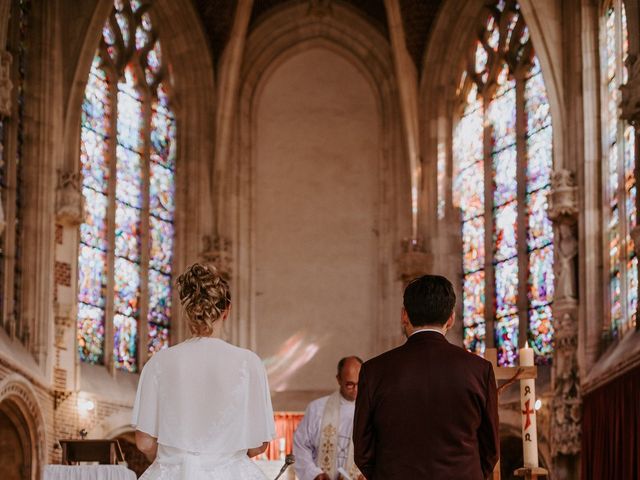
<point x="6" y="88"/>
<point x="414" y="260"/>
<point x="69" y="199"/>
<point x="567" y="401"/>
<point x="217" y="253"/>
<point x="630" y="108"/>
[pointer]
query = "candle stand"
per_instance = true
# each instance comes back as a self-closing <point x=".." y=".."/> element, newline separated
<point x="531" y="473"/>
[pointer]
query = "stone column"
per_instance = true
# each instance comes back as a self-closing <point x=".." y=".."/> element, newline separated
<point x="217" y="253"/>
<point x="630" y="108"/>
<point x="567" y="402"/>
<point x="6" y="88"/>
<point x="414" y="260"/>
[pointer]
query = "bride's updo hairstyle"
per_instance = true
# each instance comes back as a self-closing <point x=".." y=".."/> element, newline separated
<point x="205" y="296"/>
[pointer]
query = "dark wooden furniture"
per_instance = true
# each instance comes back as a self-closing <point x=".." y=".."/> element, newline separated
<point x="105" y="452"/>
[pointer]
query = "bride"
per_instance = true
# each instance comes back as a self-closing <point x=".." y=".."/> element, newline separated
<point x="203" y="406"/>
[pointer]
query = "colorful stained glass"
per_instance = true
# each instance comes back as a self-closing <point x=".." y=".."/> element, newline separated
<point x="129" y="121"/>
<point x="541" y="322"/>
<point x="91" y="276"/>
<point x="127" y="241"/>
<point x="505" y="165"/>
<point x="620" y="185"/>
<point x="470" y="186"/>
<point x="473" y="244"/>
<point x="534" y="136"/>
<point x="473" y="301"/>
<point x="161" y="192"/>
<point x="540" y="232"/>
<point x="93" y="231"/>
<point x="161" y="244"/>
<point x="539" y="159"/>
<point x="541" y="276"/>
<point x="123" y="23"/>
<point x="95" y="107"/>
<point x="159" y="298"/>
<point x="127" y="287"/>
<point x="610" y="45"/>
<point x="158" y="338"/>
<point x="129" y="177"/>
<point x="162" y="136"/>
<point x="125" y="342"/>
<point x="502" y="116"/>
<point x="505" y="237"/>
<point x="481" y="58"/>
<point x="506" y="278"/>
<point x="145" y="153"/>
<point x="506" y="340"/>
<point x="93" y="152"/>
<point x="537" y="104"/>
<point x="90" y="333"/>
<point x="493" y="37"/>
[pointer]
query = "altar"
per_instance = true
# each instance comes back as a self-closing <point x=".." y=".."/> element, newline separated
<point x="88" y="472"/>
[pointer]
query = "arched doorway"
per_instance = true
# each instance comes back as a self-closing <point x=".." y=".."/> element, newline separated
<point x="15" y="443"/>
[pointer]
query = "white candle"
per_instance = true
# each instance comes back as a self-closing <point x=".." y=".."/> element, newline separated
<point x="527" y="402"/>
<point x="282" y="445"/>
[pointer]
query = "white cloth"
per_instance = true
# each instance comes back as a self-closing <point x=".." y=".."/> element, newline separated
<point x="204" y="398"/>
<point x="306" y="440"/>
<point x="88" y="472"/>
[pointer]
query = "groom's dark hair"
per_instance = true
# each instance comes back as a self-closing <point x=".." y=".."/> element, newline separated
<point x="429" y="300"/>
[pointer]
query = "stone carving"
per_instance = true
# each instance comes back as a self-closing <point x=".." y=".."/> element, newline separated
<point x="563" y="202"/>
<point x="563" y="210"/>
<point x="5" y="83"/>
<point x="217" y="252"/>
<point x="414" y="260"/>
<point x="567" y="402"/>
<point x="69" y="199"/>
<point x="64" y="315"/>
<point x="630" y="103"/>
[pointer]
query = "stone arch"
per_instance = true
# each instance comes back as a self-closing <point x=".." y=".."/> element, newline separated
<point x="19" y="401"/>
<point x="442" y="68"/>
<point x="192" y="71"/>
<point x="279" y="36"/>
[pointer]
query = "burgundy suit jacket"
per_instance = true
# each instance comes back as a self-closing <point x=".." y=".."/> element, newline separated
<point x="426" y="410"/>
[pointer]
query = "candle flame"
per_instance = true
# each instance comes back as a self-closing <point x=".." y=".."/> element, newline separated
<point x="526" y="344"/>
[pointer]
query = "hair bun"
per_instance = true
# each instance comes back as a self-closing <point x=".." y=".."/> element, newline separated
<point x="204" y="295"/>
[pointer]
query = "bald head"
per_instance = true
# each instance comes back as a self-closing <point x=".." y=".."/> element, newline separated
<point x="348" y="373"/>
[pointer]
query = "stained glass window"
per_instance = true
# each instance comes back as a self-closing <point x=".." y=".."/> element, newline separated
<point x="128" y="154"/>
<point x="502" y="146"/>
<point x="618" y="171"/>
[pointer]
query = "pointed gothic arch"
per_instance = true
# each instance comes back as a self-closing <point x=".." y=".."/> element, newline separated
<point x="280" y="35"/>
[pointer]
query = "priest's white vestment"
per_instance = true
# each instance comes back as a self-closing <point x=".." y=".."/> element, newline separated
<point x="206" y="402"/>
<point x="308" y="439"/>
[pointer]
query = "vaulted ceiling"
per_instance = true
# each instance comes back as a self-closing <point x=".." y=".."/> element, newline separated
<point x="418" y="18"/>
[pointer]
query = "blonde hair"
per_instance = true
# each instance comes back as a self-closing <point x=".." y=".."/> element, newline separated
<point x="205" y="296"/>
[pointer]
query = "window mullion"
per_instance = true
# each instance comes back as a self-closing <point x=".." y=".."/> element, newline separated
<point x="489" y="276"/>
<point x="111" y="225"/>
<point x="522" y="218"/>
<point x="145" y="240"/>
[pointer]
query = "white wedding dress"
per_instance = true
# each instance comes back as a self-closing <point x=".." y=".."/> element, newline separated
<point x="206" y="402"/>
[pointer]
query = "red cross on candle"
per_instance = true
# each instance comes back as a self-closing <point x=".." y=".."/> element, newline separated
<point x="528" y="411"/>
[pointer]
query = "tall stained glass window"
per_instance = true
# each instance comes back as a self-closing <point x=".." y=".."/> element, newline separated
<point x="620" y="185"/>
<point x="502" y="147"/>
<point x="128" y="154"/>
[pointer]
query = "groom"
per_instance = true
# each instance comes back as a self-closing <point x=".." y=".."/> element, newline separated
<point x="427" y="409"/>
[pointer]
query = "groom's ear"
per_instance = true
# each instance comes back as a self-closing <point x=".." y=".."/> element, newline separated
<point x="452" y="319"/>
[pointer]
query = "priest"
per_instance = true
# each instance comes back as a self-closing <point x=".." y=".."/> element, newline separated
<point x="322" y="442"/>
